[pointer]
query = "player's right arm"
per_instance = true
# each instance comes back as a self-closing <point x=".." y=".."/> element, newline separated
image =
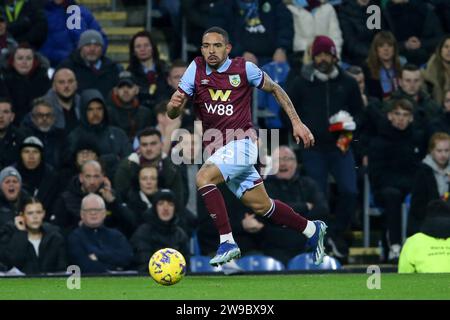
<point x="176" y="104"/>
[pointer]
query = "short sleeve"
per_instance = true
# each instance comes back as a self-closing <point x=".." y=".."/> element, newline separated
<point x="187" y="81"/>
<point x="254" y="74"/>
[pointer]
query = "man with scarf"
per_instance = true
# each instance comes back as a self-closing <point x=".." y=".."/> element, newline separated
<point x="321" y="93"/>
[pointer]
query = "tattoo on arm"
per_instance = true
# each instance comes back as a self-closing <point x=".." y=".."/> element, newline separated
<point x="282" y="98"/>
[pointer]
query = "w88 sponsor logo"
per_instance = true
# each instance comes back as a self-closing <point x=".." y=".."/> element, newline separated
<point x="220" y="109"/>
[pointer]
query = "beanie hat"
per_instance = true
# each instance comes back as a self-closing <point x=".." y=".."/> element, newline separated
<point x="91" y="37"/>
<point x="323" y="44"/>
<point x="164" y="194"/>
<point x="10" y="172"/>
<point x="32" y="141"/>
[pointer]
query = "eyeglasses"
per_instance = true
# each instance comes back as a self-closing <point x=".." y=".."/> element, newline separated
<point x="93" y="210"/>
<point x="43" y="115"/>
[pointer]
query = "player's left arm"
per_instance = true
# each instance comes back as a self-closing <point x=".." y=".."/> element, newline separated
<point x="300" y="130"/>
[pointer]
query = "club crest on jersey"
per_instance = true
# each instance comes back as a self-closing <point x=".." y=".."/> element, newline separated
<point x="235" y="80"/>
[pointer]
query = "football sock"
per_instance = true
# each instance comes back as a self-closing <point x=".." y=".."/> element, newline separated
<point x="280" y="213"/>
<point x="310" y="229"/>
<point x="216" y="207"/>
<point x="227" y="237"/>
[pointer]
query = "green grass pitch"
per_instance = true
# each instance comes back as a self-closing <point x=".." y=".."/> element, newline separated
<point x="260" y="287"/>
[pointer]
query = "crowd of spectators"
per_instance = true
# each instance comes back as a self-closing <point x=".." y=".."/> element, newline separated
<point x="86" y="175"/>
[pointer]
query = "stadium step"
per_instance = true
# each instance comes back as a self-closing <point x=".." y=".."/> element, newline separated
<point x="97" y="4"/>
<point x="362" y="255"/>
<point x="120" y="33"/>
<point x="111" y="18"/>
<point x="118" y="52"/>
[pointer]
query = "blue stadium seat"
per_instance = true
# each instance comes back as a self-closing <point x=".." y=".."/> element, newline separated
<point x="201" y="264"/>
<point x="304" y="262"/>
<point x="260" y="263"/>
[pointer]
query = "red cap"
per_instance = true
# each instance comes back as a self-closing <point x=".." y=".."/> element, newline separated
<point x="323" y="44"/>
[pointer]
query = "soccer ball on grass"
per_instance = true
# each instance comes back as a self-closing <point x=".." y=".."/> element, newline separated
<point x="167" y="266"/>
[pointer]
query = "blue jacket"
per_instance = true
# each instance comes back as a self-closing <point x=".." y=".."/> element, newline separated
<point x="109" y="246"/>
<point x="61" y="41"/>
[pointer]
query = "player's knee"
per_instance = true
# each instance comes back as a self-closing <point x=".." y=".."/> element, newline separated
<point x="202" y="179"/>
<point x="261" y="208"/>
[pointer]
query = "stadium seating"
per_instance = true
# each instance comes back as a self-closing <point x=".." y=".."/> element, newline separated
<point x="201" y="264"/>
<point x="304" y="262"/>
<point x="260" y="263"/>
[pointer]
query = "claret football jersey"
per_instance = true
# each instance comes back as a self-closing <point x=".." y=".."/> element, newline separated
<point x="222" y="99"/>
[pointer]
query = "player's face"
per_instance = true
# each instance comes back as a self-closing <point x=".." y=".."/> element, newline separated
<point x="23" y="61"/>
<point x="411" y="81"/>
<point x="43" y="118"/>
<point x="6" y="115"/>
<point x="165" y="210"/>
<point x="441" y="153"/>
<point x="95" y="112"/>
<point x="33" y="215"/>
<point x="65" y="84"/>
<point x="148" y="180"/>
<point x="400" y="118"/>
<point x="31" y="157"/>
<point x="214" y="49"/>
<point x="11" y="188"/>
<point x="150" y="147"/>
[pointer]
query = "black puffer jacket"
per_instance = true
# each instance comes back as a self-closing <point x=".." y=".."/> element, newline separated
<point x="19" y="252"/>
<point x="155" y="235"/>
<point x="9" y="210"/>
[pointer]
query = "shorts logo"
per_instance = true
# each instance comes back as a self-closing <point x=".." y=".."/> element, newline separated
<point x="235" y="80"/>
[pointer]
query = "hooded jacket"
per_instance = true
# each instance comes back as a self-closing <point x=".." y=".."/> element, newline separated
<point x="60" y="119"/>
<point x="112" y="141"/>
<point x="157" y="234"/>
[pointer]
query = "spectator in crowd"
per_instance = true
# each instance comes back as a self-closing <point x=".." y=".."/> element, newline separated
<point x="441" y="122"/>
<point x="94" y="247"/>
<point x="382" y="68"/>
<point x="12" y="195"/>
<point x="392" y="176"/>
<point x="112" y="141"/>
<point x="162" y="231"/>
<point x="32" y="245"/>
<point x="7" y="42"/>
<point x="39" y="179"/>
<point x="437" y="72"/>
<point x="140" y="197"/>
<point x="147" y="68"/>
<point x="357" y="37"/>
<point x="201" y="15"/>
<point x="416" y="40"/>
<point x="442" y="9"/>
<point x="260" y="29"/>
<point x="61" y="40"/>
<point x="26" y="21"/>
<point x="125" y="110"/>
<point x="165" y="125"/>
<point x="176" y="71"/>
<point x="66" y="209"/>
<point x="313" y="18"/>
<point x="84" y="151"/>
<point x="321" y="91"/>
<point x="26" y="78"/>
<point x="40" y="122"/>
<point x="10" y="136"/>
<point x="301" y="193"/>
<point x="91" y="67"/>
<point x="431" y="180"/>
<point x="150" y="153"/>
<point x="428" y="251"/>
<point x="65" y="100"/>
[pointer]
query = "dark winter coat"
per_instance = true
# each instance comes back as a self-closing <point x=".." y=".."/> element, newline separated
<point x="30" y="25"/>
<point x="9" y="210"/>
<point x="394" y="157"/>
<point x="61" y="41"/>
<point x="109" y="246"/>
<point x="316" y="101"/>
<point x="155" y="235"/>
<point x="20" y="253"/>
<point x="103" y="79"/>
<point x="10" y="145"/>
